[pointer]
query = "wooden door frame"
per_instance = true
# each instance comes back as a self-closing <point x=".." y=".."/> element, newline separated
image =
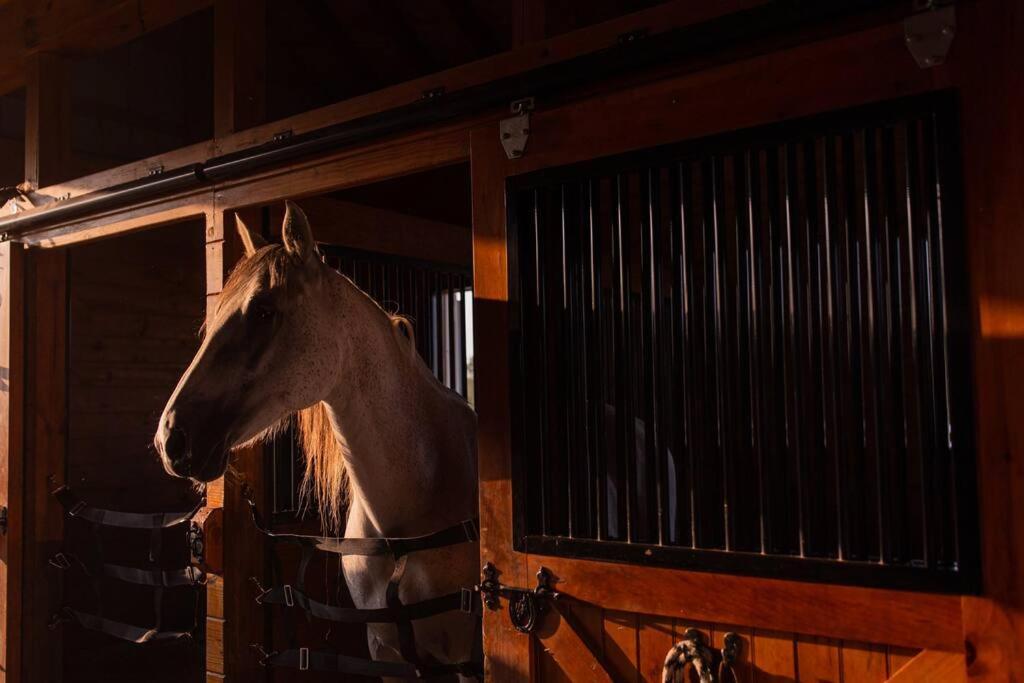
<point x="864" y="66"/>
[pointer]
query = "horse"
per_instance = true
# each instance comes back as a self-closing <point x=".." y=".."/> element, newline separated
<point x="383" y="439"/>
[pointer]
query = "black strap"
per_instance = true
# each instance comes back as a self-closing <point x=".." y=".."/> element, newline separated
<point x="305" y="659"/>
<point x="466" y="531"/>
<point x="167" y="578"/>
<point x="76" y="507"/>
<point x="291" y="596"/>
<point x="118" y="629"/>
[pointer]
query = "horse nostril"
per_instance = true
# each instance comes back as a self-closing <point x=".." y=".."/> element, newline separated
<point x="176" y="444"/>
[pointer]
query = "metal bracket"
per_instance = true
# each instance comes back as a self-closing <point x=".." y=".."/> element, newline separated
<point x="515" y="130"/>
<point x="525" y="606"/>
<point x="196" y="542"/>
<point x="929" y="31"/>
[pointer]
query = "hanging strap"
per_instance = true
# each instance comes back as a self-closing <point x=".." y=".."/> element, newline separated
<point x="305" y="659"/>
<point x="117" y="629"/>
<point x="466" y="531"/>
<point x="76" y="507"/>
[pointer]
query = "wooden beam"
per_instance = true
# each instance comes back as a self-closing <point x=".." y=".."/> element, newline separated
<point x="12" y="393"/>
<point x="359" y="226"/>
<point x="47" y="120"/>
<point x="239" y="65"/>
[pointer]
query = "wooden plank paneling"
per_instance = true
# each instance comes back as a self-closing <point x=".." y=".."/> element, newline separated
<point x="12" y="388"/>
<point x="774" y="656"/>
<point x="621" y="632"/>
<point x="655" y="638"/>
<point x="817" y="659"/>
<point x="864" y="662"/>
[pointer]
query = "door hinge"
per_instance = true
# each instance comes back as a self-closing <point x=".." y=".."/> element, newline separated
<point x="515" y="130"/>
<point x="929" y="31"/>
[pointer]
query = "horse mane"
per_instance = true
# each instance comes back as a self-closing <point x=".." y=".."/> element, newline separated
<point x="325" y="479"/>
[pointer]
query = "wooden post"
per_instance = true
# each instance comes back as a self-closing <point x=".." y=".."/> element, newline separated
<point x="44" y="462"/>
<point x="47" y="120"/>
<point x="234" y="620"/>
<point x="528" y="25"/>
<point x="239" y="70"/>
<point x="12" y="388"/>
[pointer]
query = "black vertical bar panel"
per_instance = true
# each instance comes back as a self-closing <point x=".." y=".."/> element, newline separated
<point x="726" y="334"/>
<point x="916" y="385"/>
<point x="650" y="494"/>
<point x="709" y="487"/>
<point x="619" y="482"/>
<point x="675" y="418"/>
<point x="556" y="370"/>
<point x="792" y="306"/>
<point x="746" y="464"/>
<point x="867" y="173"/>
<point x="594" y="352"/>
<point x="895" y="475"/>
<point x="747" y="347"/>
<point x="937" y="515"/>
<point x="759" y="274"/>
<point x="955" y="482"/>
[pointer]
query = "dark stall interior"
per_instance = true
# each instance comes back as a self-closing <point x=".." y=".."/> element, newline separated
<point x="133" y="324"/>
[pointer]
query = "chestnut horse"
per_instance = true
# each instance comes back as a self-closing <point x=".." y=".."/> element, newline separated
<point x="290" y="335"/>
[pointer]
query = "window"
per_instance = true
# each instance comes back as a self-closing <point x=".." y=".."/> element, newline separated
<point x="750" y="353"/>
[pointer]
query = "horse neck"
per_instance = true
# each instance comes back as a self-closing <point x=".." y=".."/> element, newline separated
<point x="401" y="432"/>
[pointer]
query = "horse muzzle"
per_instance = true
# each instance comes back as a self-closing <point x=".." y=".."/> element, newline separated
<point x="183" y="456"/>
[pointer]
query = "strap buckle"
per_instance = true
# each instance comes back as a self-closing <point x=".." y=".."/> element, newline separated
<point x="265" y="656"/>
<point x="303" y="659"/>
<point x="60" y="561"/>
<point x="466" y="596"/>
<point x="61" y="616"/>
<point x="289" y="596"/>
<point x="471" y="530"/>
<point x="76" y="508"/>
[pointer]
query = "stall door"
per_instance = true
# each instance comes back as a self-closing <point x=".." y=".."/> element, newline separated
<point x="723" y="375"/>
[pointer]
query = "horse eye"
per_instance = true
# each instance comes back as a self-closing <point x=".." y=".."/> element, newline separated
<point x="262" y="313"/>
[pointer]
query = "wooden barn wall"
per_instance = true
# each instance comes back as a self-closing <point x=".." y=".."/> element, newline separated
<point x="135" y="304"/>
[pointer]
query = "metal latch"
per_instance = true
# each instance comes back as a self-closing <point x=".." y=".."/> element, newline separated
<point x="525" y="606"/>
<point x="929" y="31"/>
<point x="515" y="130"/>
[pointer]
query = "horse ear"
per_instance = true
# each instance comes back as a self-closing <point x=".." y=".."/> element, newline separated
<point x="296" y="234"/>
<point x="252" y="241"/>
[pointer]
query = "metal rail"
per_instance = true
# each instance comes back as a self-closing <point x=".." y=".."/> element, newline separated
<point x="551" y="81"/>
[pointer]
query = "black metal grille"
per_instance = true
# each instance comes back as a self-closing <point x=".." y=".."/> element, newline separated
<point x="436" y="297"/>
<point x="749" y="353"/>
